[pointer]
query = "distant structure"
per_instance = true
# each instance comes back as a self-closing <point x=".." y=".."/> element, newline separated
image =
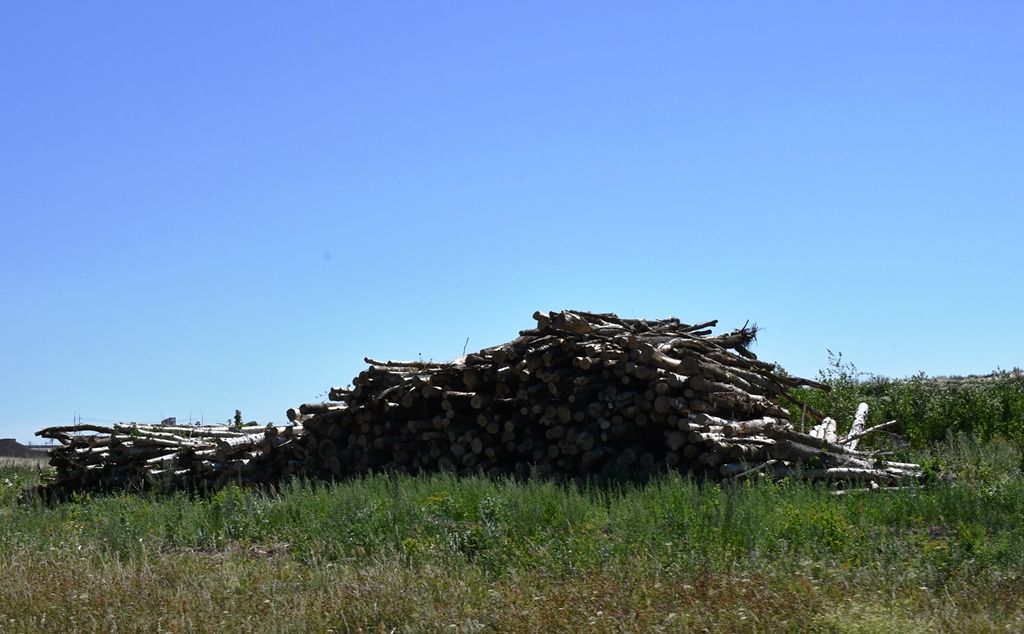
<point x="11" y="448"/>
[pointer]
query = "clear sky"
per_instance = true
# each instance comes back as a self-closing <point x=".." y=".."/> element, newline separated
<point x="210" y="206"/>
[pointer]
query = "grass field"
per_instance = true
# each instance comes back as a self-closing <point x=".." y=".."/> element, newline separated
<point x="449" y="554"/>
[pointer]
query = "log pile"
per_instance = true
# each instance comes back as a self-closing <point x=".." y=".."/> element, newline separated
<point x="578" y="396"/>
<point x="130" y="455"/>
<point x="584" y="394"/>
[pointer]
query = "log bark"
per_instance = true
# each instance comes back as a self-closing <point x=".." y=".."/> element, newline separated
<point x="859" y="419"/>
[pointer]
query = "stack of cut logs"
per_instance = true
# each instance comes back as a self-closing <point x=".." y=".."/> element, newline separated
<point x="130" y="455"/>
<point x="585" y="394"/>
<point x="580" y="395"/>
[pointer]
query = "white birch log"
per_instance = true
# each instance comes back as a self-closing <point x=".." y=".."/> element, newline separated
<point x="826" y="430"/>
<point x="859" y="419"/>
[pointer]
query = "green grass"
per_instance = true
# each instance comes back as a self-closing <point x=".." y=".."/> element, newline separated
<point x="441" y="553"/>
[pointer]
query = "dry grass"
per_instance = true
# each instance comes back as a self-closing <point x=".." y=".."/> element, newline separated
<point x="23" y="463"/>
<point x="215" y="592"/>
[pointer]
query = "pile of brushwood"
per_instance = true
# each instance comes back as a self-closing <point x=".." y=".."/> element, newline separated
<point x="586" y="394"/>
<point x="134" y="456"/>
<point x="582" y="395"/>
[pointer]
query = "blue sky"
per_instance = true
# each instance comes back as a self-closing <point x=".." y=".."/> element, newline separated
<point x="209" y="207"/>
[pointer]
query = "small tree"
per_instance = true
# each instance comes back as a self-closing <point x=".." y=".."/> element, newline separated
<point x="238" y="418"/>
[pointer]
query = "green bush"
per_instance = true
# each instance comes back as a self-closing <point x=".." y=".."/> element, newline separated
<point x="927" y="410"/>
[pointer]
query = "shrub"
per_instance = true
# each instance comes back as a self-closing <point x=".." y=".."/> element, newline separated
<point x="927" y="409"/>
